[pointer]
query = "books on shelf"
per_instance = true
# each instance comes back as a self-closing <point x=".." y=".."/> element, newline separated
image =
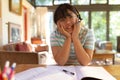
<point x="64" y="73"/>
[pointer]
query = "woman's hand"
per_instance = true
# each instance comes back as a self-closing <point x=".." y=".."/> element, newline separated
<point x="62" y="30"/>
<point x="76" y="30"/>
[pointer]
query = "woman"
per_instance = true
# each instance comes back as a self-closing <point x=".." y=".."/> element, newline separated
<point x="71" y="42"/>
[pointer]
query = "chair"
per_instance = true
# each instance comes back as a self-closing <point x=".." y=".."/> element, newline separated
<point x="18" y="57"/>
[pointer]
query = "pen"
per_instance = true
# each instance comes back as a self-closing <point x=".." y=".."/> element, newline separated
<point x="12" y="71"/>
<point x="68" y="72"/>
<point x="7" y="63"/>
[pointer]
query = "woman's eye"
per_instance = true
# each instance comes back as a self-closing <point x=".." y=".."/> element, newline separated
<point x="61" y="20"/>
<point x="70" y="16"/>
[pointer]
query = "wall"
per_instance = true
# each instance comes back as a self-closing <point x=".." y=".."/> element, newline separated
<point x="0" y="24"/>
<point x="8" y="16"/>
<point x="0" y="8"/>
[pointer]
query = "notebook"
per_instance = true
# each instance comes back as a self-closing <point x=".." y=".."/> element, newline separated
<point x="64" y="73"/>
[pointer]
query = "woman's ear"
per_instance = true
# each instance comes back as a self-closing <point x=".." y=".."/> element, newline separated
<point x="58" y="23"/>
<point x="77" y="19"/>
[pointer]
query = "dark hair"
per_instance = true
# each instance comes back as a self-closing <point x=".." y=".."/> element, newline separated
<point x="61" y="11"/>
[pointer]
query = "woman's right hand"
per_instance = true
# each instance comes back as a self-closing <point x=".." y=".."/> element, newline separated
<point x="62" y="30"/>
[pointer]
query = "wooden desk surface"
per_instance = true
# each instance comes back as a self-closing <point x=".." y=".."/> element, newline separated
<point x="114" y="70"/>
<point x="23" y="67"/>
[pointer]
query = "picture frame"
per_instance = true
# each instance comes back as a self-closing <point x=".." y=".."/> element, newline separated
<point x="15" y="6"/>
<point x="14" y="32"/>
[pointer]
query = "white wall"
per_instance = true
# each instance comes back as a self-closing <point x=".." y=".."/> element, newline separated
<point x="8" y="16"/>
<point x="0" y="25"/>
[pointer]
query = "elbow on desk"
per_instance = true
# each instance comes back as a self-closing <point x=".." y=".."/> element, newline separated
<point x="61" y="63"/>
<point x="85" y="64"/>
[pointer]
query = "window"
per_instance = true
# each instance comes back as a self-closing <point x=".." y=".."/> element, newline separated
<point x="114" y="2"/>
<point x="61" y="1"/>
<point x="99" y="25"/>
<point x="43" y="2"/>
<point x="84" y="15"/>
<point x="80" y="2"/>
<point x="98" y="1"/>
<point x="114" y="27"/>
<point x="51" y="22"/>
<point x="103" y="18"/>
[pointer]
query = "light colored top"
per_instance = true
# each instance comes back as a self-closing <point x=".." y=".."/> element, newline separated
<point x="86" y="37"/>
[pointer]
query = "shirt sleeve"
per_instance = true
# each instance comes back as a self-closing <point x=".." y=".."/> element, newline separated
<point x="54" y="39"/>
<point x="90" y="40"/>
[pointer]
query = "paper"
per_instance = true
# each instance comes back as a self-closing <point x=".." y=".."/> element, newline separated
<point x="42" y="74"/>
<point x="90" y="71"/>
<point x="57" y="73"/>
<point x="29" y="74"/>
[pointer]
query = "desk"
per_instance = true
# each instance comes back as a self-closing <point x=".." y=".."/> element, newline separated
<point x="112" y="69"/>
<point x="104" y="56"/>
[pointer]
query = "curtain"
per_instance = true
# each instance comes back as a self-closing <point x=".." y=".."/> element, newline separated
<point x="41" y="21"/>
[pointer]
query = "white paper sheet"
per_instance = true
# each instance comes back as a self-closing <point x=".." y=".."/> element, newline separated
<point x="30" y="73"/>
<point x="96" y="72"/>
<point x="57" y="73"/>
<point x="43" y="74"/>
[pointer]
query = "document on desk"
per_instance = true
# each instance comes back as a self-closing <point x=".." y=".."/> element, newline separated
<point x="41" y="73"/>
<point x="93" y="72"/>
<point x="64" y="73"/>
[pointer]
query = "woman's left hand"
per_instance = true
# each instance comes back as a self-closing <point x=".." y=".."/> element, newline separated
<point x="76" y="30"/>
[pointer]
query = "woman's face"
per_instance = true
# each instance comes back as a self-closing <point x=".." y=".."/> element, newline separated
<point x="69" y="21"/>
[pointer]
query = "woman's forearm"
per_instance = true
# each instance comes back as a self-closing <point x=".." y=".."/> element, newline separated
<point x="83" y="57"/>
<point x="63" y="53"/>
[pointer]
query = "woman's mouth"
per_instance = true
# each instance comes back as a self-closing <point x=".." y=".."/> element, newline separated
<point x="69" y="30"/>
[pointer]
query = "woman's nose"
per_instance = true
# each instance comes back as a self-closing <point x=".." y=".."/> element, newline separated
<point x="67" y="20"/>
